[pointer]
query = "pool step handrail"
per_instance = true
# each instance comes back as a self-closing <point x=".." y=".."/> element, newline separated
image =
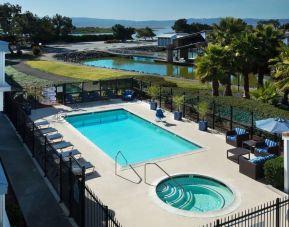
<point x="157" y="165"/>
<point x="126" y="162"/>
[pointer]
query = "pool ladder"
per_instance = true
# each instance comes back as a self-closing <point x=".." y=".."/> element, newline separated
<point x="126" y="162"/>
<point x="157" y="165"/>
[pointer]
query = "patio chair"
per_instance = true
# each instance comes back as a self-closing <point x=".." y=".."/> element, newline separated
<point x="266" y="146"/>
<point x="68" y="153"/>
<point x="62" y="145"/>
<point x="90" y="96"/>
<point x="69" y="99"/>
<point x="128" y="95"/>
<point x="160" y="114"/>
<point x="237" y="136"/>
<point x="253" y="168"/>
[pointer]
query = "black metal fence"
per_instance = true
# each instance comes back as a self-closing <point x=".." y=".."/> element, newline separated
<point x="66" y="175"/>
<point x="271" y="214"/>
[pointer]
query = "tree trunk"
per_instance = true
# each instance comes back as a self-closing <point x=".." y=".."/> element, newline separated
<point x="246" y="85"/>
<point x="260" y="80"/>
<point x="215" y="86"/>
<point x="228" y="89"/>
<point x="285" y="97"/>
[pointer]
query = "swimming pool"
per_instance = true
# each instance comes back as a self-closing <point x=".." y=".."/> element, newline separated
<point x="138" y="139"/>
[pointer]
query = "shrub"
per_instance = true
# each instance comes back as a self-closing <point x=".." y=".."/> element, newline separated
<point x="203" y="109"/>
<point x="153" y="92"/>
<point x="274" y="172"/>
<point x="36" y="50"/>
<point x="156" y="80"/>
<point x="179" y="100"/>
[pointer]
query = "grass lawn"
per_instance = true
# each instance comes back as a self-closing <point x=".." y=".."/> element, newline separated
<point x="77" y="71"/>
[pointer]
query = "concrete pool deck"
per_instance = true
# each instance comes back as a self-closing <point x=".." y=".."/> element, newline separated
<point x="132" y="202"/>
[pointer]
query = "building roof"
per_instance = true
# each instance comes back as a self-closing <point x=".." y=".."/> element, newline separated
<point x="167" y="35"/>
<point x="3" y="46"/>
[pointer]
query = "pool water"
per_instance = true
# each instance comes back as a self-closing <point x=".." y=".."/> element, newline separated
<point x="142" y="65"/>
<point x="195" y="193"/>
<point x="138" y="139"/>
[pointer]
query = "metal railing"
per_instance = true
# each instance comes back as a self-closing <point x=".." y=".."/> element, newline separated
<point x="127" y="164"/>
<point x="157" y="165"/>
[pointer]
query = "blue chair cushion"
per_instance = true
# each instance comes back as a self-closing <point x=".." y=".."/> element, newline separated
<point x="261" y="149"/>
<point x="261" y="160"/>
<point x="159" y="113"/>
<point x="232" y="138"/>
<point x="240" y="131"/>
<point x="270" y="143"/>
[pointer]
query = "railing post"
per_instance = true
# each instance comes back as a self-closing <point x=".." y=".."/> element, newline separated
<point x="198" y="115"/>
<point x="100" y="88"/>
<point x="141" y="90"/>
<point x="252" y="125"/>
<point x="214" y="113"/>
<point x="83" y="197"/>
<point x="45" y="156"/>
<point x="33" y="140"/>
<point x="278" y="212"/>
<point x="70" y="186"/>
<point x="231" y="117"/>
<point x="218" y="223"/>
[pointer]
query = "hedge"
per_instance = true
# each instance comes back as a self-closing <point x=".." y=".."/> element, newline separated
<point x="274" y="172"/>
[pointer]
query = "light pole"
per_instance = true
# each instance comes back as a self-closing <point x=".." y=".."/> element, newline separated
<point x="285" y="137"/>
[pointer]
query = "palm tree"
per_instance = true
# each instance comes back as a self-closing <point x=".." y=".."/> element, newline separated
<point x="280" y="71"/>
<point x="209" y="67"/>
<point x="228" y="29"/>
<point x="268" y="44"/>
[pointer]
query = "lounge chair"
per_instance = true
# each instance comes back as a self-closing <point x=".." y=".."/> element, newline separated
<point x="62" y="145"/>
<point x="77" y="164"/>
<point x="128" y="95"/>
<point x="48" y="130"/>
<point x="69" y="99"/>
<point x="160" y="114"/>
<point x="267" y="146"/>
<point x="90" y="96"/>
<point x="253" y="168"/>
<point x="41" y="123"/>
<point x="72" y="152"/>
<point x="53" y="137"/>
<point x="237" y="136"/>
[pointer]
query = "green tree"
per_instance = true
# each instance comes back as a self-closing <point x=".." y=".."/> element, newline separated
<point x="62" y="26"/>
<point x="7" y="13"/>
<point x="266" y="93"/>
<point x="209" y="67"/>
<point x="280" y="71"/>
<point x="273" y="22"/>
<point x="181" y="25"/>
<point x="122" y="33"/>
<point x="145" y="33"/>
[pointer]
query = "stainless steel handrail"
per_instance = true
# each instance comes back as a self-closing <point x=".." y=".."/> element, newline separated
<point x="126" y="162"/>
<point x="157" y="165"/>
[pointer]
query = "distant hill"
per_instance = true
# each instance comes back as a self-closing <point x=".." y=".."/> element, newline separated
<point x="94" y="22"/>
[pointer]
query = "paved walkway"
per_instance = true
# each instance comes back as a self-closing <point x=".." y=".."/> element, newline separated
<point x="40" y="74"/>
<point x="37" y="203"/>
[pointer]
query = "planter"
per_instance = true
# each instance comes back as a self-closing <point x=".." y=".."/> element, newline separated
<point x="203" y="126"/>
<point x="178" y="115"/>
<point x="153" y="105"/>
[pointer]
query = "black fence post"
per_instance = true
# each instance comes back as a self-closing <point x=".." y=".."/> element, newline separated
<point x="70" y="186"/>
<point x="184" y="104"/>
<point x="218" y="223"/>
<point x="60" y="178"/>
<point x="33" y="140"/>
<point x="82" y="194"/>
<point x="252" y="125"/>
<point x="231" y="117"/>
<point x="278" y="212"/>
<point x="45" y="157"/>
<point x="160" y="96"/>
<point x="131" y="85"/>
<point x="198" y="114"/>
<point x="141" y="90"/>
<point x="214" y="113"/>
<point x="171" y="99"/>
<point x="100" y="88"/>
<point x="106" y="215"/>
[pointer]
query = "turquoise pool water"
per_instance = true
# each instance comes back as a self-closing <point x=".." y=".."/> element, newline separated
<point x="195" y="193"/>
<point x="143" y="65"/>
<point x="138" y="139"/>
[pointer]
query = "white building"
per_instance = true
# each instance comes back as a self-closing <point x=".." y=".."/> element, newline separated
<point x="3" y="190"/>
<point x="166" y="39"/>
<point x="3" y="85"/>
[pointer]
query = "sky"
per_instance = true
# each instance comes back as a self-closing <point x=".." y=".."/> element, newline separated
<point x="157" y="9"/>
